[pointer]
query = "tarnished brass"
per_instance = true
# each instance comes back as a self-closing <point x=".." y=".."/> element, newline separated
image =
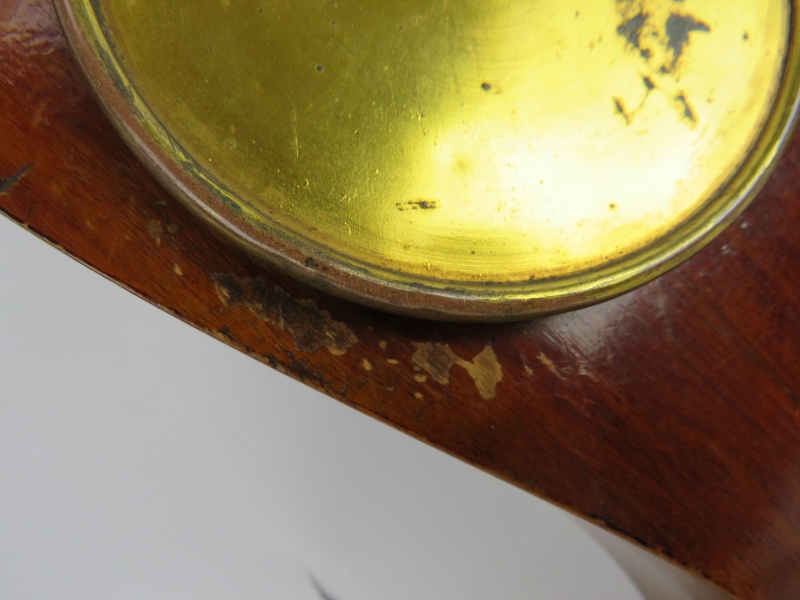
<point x="457" y="158"/>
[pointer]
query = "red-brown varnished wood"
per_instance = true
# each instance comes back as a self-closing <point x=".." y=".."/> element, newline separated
<point x="670" y="415"/>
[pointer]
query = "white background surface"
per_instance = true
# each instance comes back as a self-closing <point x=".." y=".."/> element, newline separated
<point x="141" y="459"/>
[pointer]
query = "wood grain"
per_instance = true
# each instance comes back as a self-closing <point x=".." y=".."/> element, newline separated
<point x="670" y="415"/>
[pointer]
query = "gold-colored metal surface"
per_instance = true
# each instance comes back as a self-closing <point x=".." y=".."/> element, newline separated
<point x="456" y="143"/>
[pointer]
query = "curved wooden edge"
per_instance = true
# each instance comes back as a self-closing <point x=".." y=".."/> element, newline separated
<point x="670" y="415"/>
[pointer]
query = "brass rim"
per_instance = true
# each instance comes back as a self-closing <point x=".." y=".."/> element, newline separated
<point x="399" y="292"/>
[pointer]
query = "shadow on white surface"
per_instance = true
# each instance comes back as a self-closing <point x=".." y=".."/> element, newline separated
<point x="141" y="459"/>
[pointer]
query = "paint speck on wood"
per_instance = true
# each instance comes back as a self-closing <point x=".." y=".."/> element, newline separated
<point x="486" y="372"/>
<point x="439" y="359"/>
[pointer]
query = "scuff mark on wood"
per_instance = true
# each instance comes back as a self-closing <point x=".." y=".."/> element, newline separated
<point x="310" y="327"/>
<point x="551" y="366"/>
<point x="439" y="359"/>
<point x="9" y="182"/>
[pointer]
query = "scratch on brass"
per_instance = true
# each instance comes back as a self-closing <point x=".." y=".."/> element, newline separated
<point x="310" y="327"/>
<point x="439" y="359"/>
<point x="9" y="182"/>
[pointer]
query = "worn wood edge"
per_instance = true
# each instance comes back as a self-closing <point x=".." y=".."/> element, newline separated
<point x="332" y="393"/>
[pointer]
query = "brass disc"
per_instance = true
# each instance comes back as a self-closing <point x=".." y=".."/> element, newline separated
<point x="453" y="158"/>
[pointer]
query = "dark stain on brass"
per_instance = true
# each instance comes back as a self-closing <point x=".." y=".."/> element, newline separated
<point x="687" y="109"/>
<point x="632" y="29"/>
<point x="678" y="28"/>
<point x="644" y="32"/>
<point x="416" y="205"/>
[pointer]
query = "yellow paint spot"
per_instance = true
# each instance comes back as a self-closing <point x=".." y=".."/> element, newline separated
<point x="178" y="271"/>
<point x="382" y="345"/>
<point x="421" y="378"/>
<point x="393" y="361"/>
<point x="528" y="371"/>
<point x="439" y="359"/>
<point x="418" y="396"/>
<point x="367" y="365"/>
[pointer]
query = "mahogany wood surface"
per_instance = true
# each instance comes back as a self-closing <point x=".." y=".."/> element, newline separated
<point x="670" y="415"/>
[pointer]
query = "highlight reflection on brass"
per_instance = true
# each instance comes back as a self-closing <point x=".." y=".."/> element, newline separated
<point x="461" y="142"/>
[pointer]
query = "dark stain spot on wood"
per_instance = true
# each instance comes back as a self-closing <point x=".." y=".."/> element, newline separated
<point x="648" y="83"/>
<point x="310" y="327"/>
<point x="300" y="369"/>
<point x="311" y="263"/>
<point x="9" y="182"/>
<point x="420" y="204"/>
<point x="678" y="29"/>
